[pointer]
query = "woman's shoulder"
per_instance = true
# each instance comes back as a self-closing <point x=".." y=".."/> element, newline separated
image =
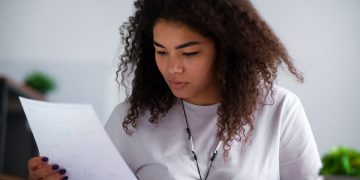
<point x="114" y="122"/>
<point x="280" y="100"/>
<point x="280" y="96"/>
<point x="282" y="92"/>
<point x="120" y="109"/>
<point x="285" y="108"/>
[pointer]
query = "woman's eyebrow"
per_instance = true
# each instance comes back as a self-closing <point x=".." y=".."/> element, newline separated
<point x="190" y="43"/>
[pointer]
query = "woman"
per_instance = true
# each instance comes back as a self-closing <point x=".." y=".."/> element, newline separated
<point x="203" y="103"/>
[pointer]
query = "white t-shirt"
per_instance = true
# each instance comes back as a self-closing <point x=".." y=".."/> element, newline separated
<point x="282" y="145"/>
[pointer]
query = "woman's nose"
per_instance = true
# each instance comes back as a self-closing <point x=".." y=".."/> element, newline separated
<point x="175" y="65"/>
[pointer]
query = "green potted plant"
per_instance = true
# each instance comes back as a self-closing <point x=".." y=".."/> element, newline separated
<point x="341" y="163"/>
<point x="40" y="82"/>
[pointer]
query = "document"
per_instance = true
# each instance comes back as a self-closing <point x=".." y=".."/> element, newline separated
<point x="72" y="136"/>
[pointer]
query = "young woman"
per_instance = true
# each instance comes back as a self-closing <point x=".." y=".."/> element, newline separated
<point x="203" y="103"/>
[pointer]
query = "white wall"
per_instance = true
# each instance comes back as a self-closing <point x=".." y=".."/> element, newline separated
<point x="61" y="30"/>
<point x="77" y="42"/>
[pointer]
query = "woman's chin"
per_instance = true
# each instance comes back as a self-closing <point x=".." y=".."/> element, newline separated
<point x="180" y="94"/>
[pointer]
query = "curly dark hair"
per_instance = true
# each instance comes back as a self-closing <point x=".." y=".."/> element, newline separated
<point x="248" y="55"/>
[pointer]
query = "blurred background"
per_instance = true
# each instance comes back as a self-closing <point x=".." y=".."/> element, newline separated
<point x="77" y="44"/>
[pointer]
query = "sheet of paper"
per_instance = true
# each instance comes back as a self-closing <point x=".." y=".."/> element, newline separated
<point x="72" y="136"/>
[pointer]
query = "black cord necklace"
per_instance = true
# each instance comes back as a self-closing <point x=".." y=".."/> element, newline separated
<point x="193" y="150"/>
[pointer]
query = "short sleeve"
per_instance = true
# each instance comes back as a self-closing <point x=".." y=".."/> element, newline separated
<point x="299" y="156"/>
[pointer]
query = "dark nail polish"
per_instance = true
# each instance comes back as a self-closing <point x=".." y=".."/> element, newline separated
<point x="65" y="178"/>
<point x="55" y="167"/>
<point x="45" y="159"/>
<point x="63" y="171"/>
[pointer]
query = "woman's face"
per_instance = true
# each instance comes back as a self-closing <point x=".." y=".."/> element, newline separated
<point x="186" y="60"/>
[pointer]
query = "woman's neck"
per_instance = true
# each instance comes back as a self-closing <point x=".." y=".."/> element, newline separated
<point x="202" y="102"/>
<point x="206" y="100"/>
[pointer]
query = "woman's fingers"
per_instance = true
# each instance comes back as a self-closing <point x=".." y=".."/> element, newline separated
<point x="37" y="162"/>
<point x="57" y="175"/>
<point x="45" y="170"/>
<point x="40" y="169"/>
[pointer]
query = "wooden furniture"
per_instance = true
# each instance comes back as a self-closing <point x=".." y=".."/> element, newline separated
<point x="17" y="144"/>
<point x="7" y="177"/>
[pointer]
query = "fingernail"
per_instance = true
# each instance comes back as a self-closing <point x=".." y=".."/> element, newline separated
<point x="63" y="171"/>
<point x="55" y="167"/>
<point x="45" y="159"/>
<point x="65" y="178"/>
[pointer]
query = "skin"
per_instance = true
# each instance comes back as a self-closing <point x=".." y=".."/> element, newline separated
<point x="38" y="168"/>
<point x="186" y="60"/>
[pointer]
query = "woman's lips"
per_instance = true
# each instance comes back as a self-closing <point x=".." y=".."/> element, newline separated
<point x="177" y="84"/>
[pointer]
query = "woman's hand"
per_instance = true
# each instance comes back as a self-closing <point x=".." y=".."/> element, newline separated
<point x="39" y="168"/>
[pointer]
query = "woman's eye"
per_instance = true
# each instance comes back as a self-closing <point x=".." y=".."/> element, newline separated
<point x="161" y="53"/>
<point x="191" y="53"/>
